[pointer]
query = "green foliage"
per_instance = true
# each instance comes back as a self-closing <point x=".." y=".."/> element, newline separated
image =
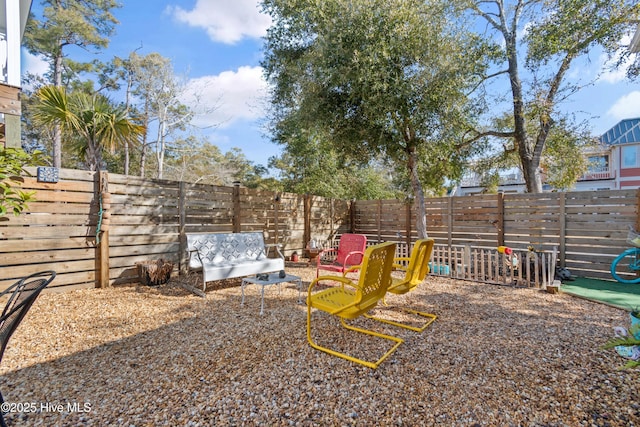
<point x="370" y="79"/>
<point x="628" y="341"/>
<point x="92" y="121"/>
<point x="569" y="28"/>
<point x="152" y="80"/>
<point x="563" y="159"/>
<point x="85" y="23"/>
<point x="198" y="161"/>
<point x="12" y="163"/>
<point x="315" y="167"/>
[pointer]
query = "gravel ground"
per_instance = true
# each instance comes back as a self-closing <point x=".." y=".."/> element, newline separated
<point x="143" y="356"/>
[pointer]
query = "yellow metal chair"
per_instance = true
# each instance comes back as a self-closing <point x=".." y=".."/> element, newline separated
<point x="415" y="272"/>
<point x="351" y="300"/>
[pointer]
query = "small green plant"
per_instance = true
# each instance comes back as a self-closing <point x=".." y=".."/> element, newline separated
<point x="12" y="163"/>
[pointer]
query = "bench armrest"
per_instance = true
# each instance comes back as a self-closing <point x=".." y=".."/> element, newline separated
<point x="195" y="252"/>
<point x="273" y="245"/>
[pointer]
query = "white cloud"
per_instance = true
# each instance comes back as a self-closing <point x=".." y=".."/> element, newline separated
<point x="225" y="21"/>
<point x="229" y="97"/>
<point x="34" y="64"/>
<point x="626" y="106"/>
<point x="612" y="73"/>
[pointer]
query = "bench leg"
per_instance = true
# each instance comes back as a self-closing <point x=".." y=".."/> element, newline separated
<point x="194" y="290"/>
<point x="242" y="291"/>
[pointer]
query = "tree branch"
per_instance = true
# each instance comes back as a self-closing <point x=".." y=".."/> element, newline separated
<point x="485" y="78"/>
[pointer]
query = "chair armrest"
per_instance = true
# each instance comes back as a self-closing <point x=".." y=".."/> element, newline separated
<point x="397" y="263"/>
<point x="341" y="279"/>
<point x="352" y="254"/>
<point x="351" y="268"/>
<point x="322" y="253"/>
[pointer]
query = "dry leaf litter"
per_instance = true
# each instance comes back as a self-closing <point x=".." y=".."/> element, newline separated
<point x="153" y="356"/>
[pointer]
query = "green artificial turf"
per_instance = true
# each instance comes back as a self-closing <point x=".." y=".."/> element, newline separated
<point x="606" y="291"/>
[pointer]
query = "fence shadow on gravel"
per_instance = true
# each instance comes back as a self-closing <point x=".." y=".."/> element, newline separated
<point x="176" y="358"/>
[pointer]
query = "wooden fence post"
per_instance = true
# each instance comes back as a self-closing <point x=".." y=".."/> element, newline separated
<point x="236" y="221"/>
<point x="500" y="223"/>
<point x="102" y="234"/>
<point x="333" y="212"/>
<point x="306" y="233"/>
<point x="276" y="209"/>
<point x="379" y="221"/>
<point x="352" y="216"/>
<point x="563" y="229"/>
<point x="449" y="221"/>
<point x="182" y="213"/>
<point x="408" y="224"/>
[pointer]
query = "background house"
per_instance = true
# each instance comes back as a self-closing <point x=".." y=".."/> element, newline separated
<point x="13" y="19"/>
<point x="613" y="165"/>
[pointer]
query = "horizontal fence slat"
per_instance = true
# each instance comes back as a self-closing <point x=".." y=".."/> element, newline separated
<point x="145" y="221"/>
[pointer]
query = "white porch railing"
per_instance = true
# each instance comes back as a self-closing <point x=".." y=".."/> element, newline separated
<point x="598" y="173"/>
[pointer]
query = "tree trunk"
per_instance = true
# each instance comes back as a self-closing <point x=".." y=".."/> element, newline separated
<point x="93" y="156"/>
<point x="126" y="157"/>
<point x="143" y="148"/>
<point x="57" y="129"/>
<point x="532" y="177"/>
<point x="421" y="212"/>
<point x="529" y="161"/>
<point x="143" y="158"/>
<point x="127" y="103"/>
<point x="160" y="147"/>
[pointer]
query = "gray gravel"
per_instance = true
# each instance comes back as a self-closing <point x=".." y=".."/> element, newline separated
<point x="142" y="356"/>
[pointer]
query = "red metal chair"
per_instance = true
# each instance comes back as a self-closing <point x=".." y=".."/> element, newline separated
<point x="350" y="252"/>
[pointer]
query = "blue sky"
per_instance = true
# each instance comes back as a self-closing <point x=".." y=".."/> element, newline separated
<point x="216" y="45"/>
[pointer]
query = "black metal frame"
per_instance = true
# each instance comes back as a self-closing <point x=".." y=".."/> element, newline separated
<point x="23" y="294"/>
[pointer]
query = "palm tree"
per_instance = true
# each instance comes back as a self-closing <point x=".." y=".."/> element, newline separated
<point x="93" y="118"/>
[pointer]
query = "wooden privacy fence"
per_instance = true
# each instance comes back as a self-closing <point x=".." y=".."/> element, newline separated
<point x="92" y="227"/>
<point x="588" y="228"/>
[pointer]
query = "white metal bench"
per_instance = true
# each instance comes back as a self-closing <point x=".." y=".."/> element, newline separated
<point x="227" y="255"/>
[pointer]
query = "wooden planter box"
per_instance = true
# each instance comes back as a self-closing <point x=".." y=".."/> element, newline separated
<point x="154" y="273"/>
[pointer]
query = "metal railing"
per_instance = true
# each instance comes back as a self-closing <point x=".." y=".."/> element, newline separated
<point x="598" y="173"/>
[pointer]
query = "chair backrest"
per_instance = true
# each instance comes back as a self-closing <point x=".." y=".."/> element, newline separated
<point x="375" y="275"/>
<point x="419" y="262"/>
<point x="351" y="243"/>
<point x="23" y="294"/>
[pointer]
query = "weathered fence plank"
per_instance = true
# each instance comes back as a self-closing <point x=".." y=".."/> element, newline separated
<point x="146" y="218"/>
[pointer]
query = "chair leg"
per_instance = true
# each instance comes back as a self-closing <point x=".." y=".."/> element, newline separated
<point x="431" y="318"/>
<point x="363" y="362"/>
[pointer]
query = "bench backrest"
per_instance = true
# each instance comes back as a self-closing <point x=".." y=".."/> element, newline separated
<point x="225" y="248"/>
